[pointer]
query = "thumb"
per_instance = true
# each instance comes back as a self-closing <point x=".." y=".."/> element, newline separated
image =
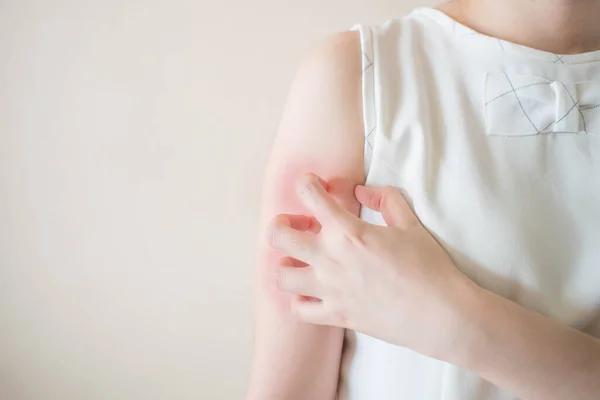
<point x="389" y="202"/>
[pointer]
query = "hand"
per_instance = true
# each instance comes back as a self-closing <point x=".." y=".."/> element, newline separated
<point x="395" y="283"/>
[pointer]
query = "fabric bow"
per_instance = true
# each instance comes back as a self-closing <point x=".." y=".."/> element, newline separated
<point x="518" y="105"/>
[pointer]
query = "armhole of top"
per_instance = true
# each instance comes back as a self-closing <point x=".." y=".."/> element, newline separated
<point x="368" y="92"/>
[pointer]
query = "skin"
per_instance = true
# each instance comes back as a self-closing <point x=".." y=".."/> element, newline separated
<point x="396" y="283"/>
<point x="321" y="132"/>
<point x="558" y="26"/>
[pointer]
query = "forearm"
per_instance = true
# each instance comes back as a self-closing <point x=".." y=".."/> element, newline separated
<point x="297" y="365"/>
<point x="527" y="353"/>
<point x="293" y="360"/>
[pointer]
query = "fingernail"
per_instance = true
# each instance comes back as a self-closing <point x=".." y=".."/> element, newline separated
<point x="324" y="183"/>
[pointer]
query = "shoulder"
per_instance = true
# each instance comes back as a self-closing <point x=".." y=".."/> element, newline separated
<point x="321" y="129"/>
<point x="326" y="90"/>
<point x="335" y="60"/>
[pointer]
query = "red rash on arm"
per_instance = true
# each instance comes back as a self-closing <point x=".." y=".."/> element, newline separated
<point x="321" y="131"/>
<point x="285" y="200"/>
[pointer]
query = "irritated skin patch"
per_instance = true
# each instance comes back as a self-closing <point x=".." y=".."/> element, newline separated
<point x="280" y="197"/>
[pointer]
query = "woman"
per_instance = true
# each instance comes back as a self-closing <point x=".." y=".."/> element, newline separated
<point x="486" y="114"/>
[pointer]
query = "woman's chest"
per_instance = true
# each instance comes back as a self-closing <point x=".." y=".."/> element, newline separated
<point x="520" y="215"/>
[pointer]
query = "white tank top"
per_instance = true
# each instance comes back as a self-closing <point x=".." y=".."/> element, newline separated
<point x="498" y="147"/>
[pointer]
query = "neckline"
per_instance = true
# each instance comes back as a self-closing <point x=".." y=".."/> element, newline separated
<point x="457" y="29"/>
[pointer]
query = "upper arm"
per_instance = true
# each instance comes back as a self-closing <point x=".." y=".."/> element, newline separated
<point x="321" y="131"/>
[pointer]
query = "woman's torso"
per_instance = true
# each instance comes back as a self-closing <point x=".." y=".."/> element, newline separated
<point x="498" y="148"/>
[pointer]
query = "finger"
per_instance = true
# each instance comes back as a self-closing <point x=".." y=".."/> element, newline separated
<point x="299" y="280"/>
<point x="313" y="312"/>
<point x="282" y="237"/>
<point x="389" y="202"/>
<point x="303" y="223"/>
<point x="313" y="194"/>
<point x="292" y="262"/>
<point x="316" y="312"/>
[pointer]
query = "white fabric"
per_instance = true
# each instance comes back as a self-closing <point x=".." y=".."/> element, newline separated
<point x="509" y="185"/>
<point x="529" y="105"/>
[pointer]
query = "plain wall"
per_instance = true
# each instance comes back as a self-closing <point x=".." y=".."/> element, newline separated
<point x="133" y="139"/>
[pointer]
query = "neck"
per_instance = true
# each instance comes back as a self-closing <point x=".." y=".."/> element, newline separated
<point x="557" y="26"/>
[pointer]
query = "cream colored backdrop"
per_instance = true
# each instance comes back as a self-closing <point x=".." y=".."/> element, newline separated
<point x="133" y="138"/>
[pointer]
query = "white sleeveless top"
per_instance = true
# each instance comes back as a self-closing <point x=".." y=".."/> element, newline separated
<point x="498" y="147"/>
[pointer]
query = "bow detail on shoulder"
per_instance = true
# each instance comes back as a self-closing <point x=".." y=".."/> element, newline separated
<point x="529" y="105"/>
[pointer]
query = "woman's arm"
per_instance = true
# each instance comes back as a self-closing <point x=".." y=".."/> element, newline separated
<point x="526" y="352"/>
<point x="321" y="131"/>
<point x="398" y="284"/>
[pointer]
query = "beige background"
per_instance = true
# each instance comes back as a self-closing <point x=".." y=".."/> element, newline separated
<point x="133" y="138"/>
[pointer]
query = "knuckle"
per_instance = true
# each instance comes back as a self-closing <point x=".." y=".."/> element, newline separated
<point x="411" y="220"/>
<point x="283" y="280"/>
<point x="298" y="245"/>
<point x="307" y="184"/>
<point x="356" y="235"/>
<point x="274" y="232"/>
<point x="339" y="316"/>
<point x="388" y="193"/>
